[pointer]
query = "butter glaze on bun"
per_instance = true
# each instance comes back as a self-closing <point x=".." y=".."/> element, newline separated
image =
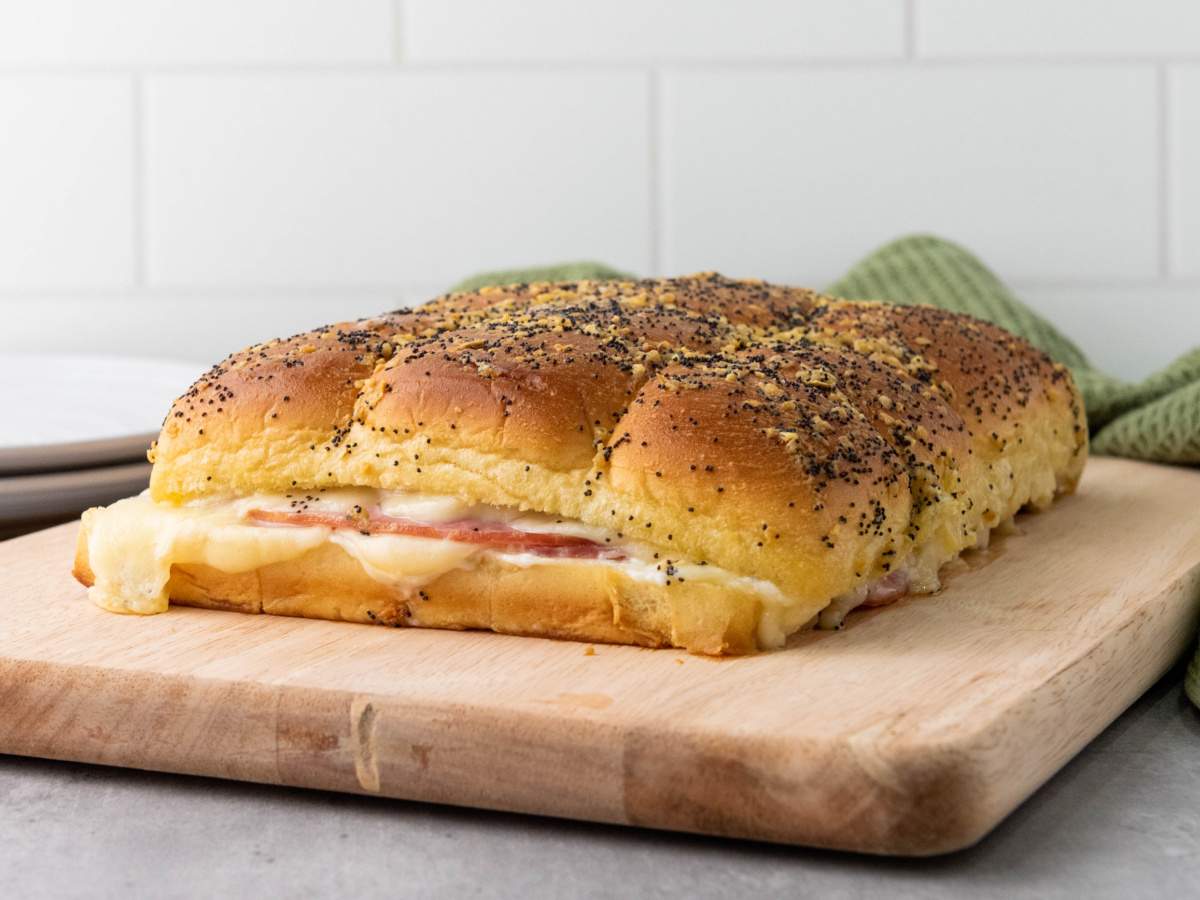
<point x="782" y="437"/>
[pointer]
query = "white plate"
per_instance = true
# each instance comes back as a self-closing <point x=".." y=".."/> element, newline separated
<point x="67" y="493"/>
<point x="65" y="412"/>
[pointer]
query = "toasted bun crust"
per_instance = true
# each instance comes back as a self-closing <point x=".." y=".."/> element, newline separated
<point x="770" y="431"/>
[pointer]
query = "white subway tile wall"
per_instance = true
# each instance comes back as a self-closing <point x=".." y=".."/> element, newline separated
<point x="539" y="31"/>
<point x="66" y="181"/>
<point x="368" y="180"/>
<point x="188" y="178"/>
<point x="803" y="170"/>
<point x="195" y="32"/>
<point x="201" y="326"/>
<point x="1184" y="163"/>
<point x="1060" y="29"/>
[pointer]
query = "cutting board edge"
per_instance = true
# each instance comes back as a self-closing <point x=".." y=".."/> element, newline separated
<point x="1167" y="634"/>
<point x="315" y="739"/>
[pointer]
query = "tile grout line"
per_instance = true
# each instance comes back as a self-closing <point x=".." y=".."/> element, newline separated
<point x="602" y="66"/>
<point x="249" y="293"/>
<point x="405" y="292"/>
<point x="1164" y="171"/>
<point x="139" y="182"/>
<point x="653" y="176"/>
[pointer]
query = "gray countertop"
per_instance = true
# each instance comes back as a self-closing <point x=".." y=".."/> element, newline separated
<point x="1121" y="820"/>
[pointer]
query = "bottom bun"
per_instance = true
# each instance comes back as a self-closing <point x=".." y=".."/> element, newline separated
<point x="562" y="598"/>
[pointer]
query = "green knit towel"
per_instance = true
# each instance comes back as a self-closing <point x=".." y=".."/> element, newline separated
<point x="576" y="271"/>
<point x="1157" y="419"/>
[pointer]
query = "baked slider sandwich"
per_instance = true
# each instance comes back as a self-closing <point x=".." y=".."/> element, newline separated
<point x="695" y="462"/>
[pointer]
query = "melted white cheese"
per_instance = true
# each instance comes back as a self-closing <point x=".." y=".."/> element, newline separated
<point x="780" y="615"/>
<point x="402" y="560"/>
<point x="133" y="544"/>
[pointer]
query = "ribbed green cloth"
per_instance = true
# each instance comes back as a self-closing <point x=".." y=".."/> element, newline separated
<point x="576" y="271"/>
<point x="1157" y="419"/>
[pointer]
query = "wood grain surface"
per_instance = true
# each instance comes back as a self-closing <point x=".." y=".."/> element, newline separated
<point x="912" y="731"/>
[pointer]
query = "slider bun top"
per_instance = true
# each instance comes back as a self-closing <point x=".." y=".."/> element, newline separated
<point x="771" y="431"/>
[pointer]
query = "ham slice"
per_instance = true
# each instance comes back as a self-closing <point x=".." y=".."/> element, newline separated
<point x="495" y="535"/>
<point x="891" y="586"/>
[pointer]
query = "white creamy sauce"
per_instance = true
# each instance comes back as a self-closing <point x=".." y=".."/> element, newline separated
<point x="656" y="573"/>
<point x="646" y="573"/>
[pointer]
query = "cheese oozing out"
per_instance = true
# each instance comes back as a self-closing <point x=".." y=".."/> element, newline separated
<point x="133" y="543"/>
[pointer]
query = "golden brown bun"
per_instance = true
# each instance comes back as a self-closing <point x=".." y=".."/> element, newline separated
<point x="770" y="431"/>
<point x="1021" y="411"/>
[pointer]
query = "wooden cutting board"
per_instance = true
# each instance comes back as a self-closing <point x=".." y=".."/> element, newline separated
<point x="914" y="730"/>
